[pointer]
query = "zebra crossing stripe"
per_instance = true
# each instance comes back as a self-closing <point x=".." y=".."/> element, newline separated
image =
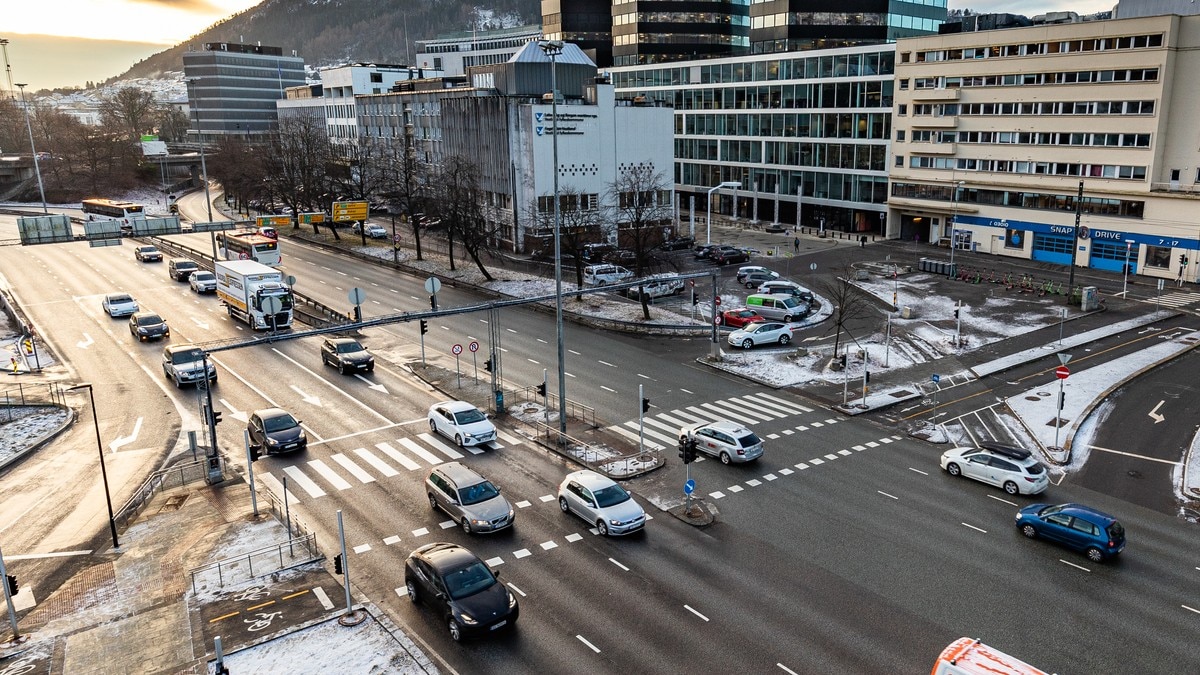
<point x="770" y="406"/>
<point x="398" y="456"/>
<point x="329" y="474"/>
<point x="380" y="465"/>
<point x="758" y="406"/>
<point x="411" y="445"/>
<point x="509" y="438"/>
<point x="722" y="413"/>
<point x="275" y="486"/>
<point x="437" y="444"/>
<point x="650" y="433"/>
<point x="703" y="415"/>
<point x="354" y="469"/>
<point x="674" y="421"/>
<point x="785" y="403"/>
<point x="736" y="406"/>
<point x="673" y="430"/>
<point x="691" y="418"/>
<point x="298" y="478"/>
<point x="634" y="437"/>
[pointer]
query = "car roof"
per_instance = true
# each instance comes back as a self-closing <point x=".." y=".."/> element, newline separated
<point x="590" y="479"/>
<point x="145" y="315"/>
<point x="267" y="413"/>
<point x="1097" y="517"/>
<point x="443" y="555"/>
<point x="726" y="426"/>
<point x="1006" y="450"/>
<point x="201" y="273"/>
<point x="456" y="406"/>
<point x="460" y="473"/>
<point x="342" y="340"/>
<point x="119" y="296"/>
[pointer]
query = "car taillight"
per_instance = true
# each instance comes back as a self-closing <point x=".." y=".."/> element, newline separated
<point x="1112" y="544"/>
<point x="1031" y="479"/>
<point x="741" y="451"/>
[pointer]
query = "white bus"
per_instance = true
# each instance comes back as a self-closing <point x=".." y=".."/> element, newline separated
<point x="249" y="246"/>
<point x="110" y="209"/>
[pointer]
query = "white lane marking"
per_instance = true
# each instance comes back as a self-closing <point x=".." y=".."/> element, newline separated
<point x="315" y="401"/>
<point x="362" y="548"/>
<point x="420" y="532"/>
<point x="844" y="452"/>
<point x="303" y="481"/>
<point x="536" y="363"/>
<point x="858" y="448"/>
<point x="417" y="450"/>
<point x="389" y="541"/>
<point x="574" y="352"/>
<point x="1078" y="567"/>
<point x="802" y="466"/>
<point x="917" y="471"/>
<point x="323" y="597"/>
<point x="1190" y="609"/>
<point x="546" y="498"/>
<point x="495" y="562"/>
<point x="523" y="553"/>
<point x="1003" y="500"/>
<point x="509" y="438"/>
<point x="716" y="495"/>
<point x="607" y="389"/>
<point x="816" y="461"/>
<point x="519" y="591"/>
<point x="574" y="537"/>
<point x="437" y="444"/>
<point x="735" y="488"/>
<point x="354" y="469"/>
<point x="693" y="611"/>
<point x="977" y="529"/>
<point x="380" y="465"/>
<point x="754" y="482"/>
<point x="511" y="330"/>
<point x="547" y="545"/>
<point x="398" y="457"/>
<point x="786" y="472"/>
<point x="831" y="456"/>
<point x="606" y="363"/>
<point x="887" y="495"/>
<point x="542" y="341"/>
<point x="618" y="564"/>
<point x="329" y="474"/>
<point x="447" y="524"/>
<point x="785" y="669"/>
<point x="584" y="641"/>
<point x="770" y="476"/>
<point x="785" y="402"/>
<point x="126" y="440"/>
<point x="522" y="504"/>
<point x="1130" y="454"/>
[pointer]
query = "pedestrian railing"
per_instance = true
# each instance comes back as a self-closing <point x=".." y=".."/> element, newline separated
<point x="26" y="394"/>
<point x="574" y="409"/>
<point x="601" y="458"/>
<point x="295" y="551"/>
<point x="159" y="481"/>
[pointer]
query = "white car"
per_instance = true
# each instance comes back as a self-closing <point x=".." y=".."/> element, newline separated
<point x="746" y="271"/>
<point x="727" y="441"/>
<point x="462" y="422"/>
<point x="602" y="275"/>
<point x="203" y="282"/>
<point x="601" y="502"/>
<point x="1013" y="469"/>
<point x="119" y="304"/>
<point x="376" y="231"/>
<point x="760" y="334"/>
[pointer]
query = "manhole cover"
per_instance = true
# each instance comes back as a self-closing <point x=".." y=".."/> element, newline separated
<point x="1033" y="398"/>
<point x="174" y="503"/>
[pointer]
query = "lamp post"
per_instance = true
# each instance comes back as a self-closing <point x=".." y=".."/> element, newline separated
<point x="708" y="207"/>
<point x="200" y="138"/>
<point x="112" y="523"/>
<point x="37" y="169"/>
<point x="1125" y="285"/>
<point x="553" y="48"/>
<point x="954" y="224"/>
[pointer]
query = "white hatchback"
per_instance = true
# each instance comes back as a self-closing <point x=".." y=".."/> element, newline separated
<point x="760" y="334"/>
<point x="462" y="422"/>
<point x="601" y="502"/>
<point x="119" y="304"/>
<point x="1013" y="469"/>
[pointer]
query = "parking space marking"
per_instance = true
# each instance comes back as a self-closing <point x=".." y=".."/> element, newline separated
<point x="447" y="524"/>
<point x="391" y="540"/>
<point x="362" y="548"/>
<point x="693" y="611"/>
<point x="420" y="532"/>
<point x="523" y="553"/>
<point x="786" y="472"/>
<point x="1078" y="567"/>
<point x="584" y="641"/>
<point x="574" y="537"/>
<point x="522" y="504"/>
<point x="977" y="529"/>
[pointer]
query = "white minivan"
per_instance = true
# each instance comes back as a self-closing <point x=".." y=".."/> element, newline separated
<point x="602" y="275"/>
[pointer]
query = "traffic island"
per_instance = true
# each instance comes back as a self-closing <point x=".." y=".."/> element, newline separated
<point x="697" y="512"/>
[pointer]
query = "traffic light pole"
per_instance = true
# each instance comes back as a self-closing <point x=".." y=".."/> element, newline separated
<point x="12" y="613"/>
<point x="641" y="418"/>
<point x="250" y="470"/>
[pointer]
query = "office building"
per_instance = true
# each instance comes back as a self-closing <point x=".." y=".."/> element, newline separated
<point x="799" y="25"/>
<point x="454" y="53"/>
<point x="232" y="88"/>
<point x="585" y="23"/>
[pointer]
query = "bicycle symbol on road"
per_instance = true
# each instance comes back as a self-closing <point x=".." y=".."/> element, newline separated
<point x="20" y="667"/>
<point x="263" y="621"/>
<point x="252" y="593"/>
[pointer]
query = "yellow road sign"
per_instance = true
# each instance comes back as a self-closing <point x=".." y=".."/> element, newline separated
<point x="349" y="211"/>
<point x="310" y="218"/>
<point x="273" y="221"/>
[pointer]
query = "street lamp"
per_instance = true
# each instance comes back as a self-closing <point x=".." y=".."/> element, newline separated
<point x="36" y="167"/>
<point x="554" y="48"/>
<point x="1128" y="251"/>
<point x="112" y="523"/>
<point x="200" y="136"/>
<point x="954" y="223"/>
<point x="708" y="207"/>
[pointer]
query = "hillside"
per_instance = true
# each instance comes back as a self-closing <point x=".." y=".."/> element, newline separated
<point x="329" y="32"/>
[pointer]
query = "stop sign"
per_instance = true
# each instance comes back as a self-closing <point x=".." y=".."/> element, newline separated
<point x="1062" y="372"/>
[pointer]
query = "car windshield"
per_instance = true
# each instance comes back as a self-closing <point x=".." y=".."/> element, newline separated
<point x="469" y="580"/>
<point x="279" y="423"/>
<point x="147" y="249"/>
<point x="749" y="440"/>
<point x="1050" y="510"/>
<point x="203" y="276"/>
<point x="610" y="496"/>
<point x="469" y="416"/>
<point x="149" y="320"/>
<point x="480" y="492"/>
<point x="119" y="299"/>
<point x="756" y="327"/>
<point x="349" y="347"/>
<point x="187" y="356"/>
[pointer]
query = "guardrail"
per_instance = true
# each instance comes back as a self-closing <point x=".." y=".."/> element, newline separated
<point x="50" y="393"/>
<point x="296" y="551"/>
<point x="598" y="458"/>
<point x="579" y="411"/>
<point x="163" y="479"/>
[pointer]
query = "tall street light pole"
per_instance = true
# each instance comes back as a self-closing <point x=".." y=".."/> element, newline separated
<point x="36" y="167"/>
<point x="954" y="224"/>
<point x="553" y="48"/>
<point x="200" y="137"/>
<point x="112" y="523"/>
<point x="708" y="206"/>
<point x="1125" y="285"/>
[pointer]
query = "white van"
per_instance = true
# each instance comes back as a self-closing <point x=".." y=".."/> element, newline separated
<point x="778" y="307"/>
<point x="602" y="275"/>
<point x="657" y="287"/>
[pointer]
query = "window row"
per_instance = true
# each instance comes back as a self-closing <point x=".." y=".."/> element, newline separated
<point x="861" y="157"/>
<point x="819" y="125"/>
<point x="782" y="96"/>
<point x="680" y="39"/>
<point x="1058" y="108"/>
<point x="915" y="23"/>
<point x="1114" y="140"/>
<point x="718" y="18"/>
<point x="850" y="186"/>
<point x="1062" y="77"/>
<point x="841" y="65"/>
<point x="1040" y="48"/>
<point x="1022" y="200"/>
<point x="819" y="19"/>
<point x="1115" y="171"/>
<point x="569" y="202"/>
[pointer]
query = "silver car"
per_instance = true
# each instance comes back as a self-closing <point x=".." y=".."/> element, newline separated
<point x="728" y="441"/>
<point x="600" y="501"/>
<point x="469" y="498"/>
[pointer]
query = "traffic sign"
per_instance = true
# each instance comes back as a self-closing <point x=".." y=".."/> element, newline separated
<point x="396" y="237"/>
<point x="690" y="486"/>
<point x="356" y="296"/>
<point x="433" y="285"/>
<point x="349" y="211"/>
<point x="935" y="378"/>
<point x="1062" y="372"/>
<point x="692" y="283"/>
<point x="717" y="320"/>
<point x="457" y="349"/>
<point x="717" y="300"/>
<point x="474" y="346"/>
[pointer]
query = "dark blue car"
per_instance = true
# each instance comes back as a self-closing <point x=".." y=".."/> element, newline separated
<point x="1096" y="534"/>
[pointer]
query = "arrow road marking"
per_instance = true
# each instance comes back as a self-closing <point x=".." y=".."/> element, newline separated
<point x="202" y="324"/>
<point x="235" y="413"/>
<point x="1154" y="413"/>
<point x="307" y="398"/>
<point x="372" y="385"/>
<point x="86" y="342"/>
<point x="126" y="440"/>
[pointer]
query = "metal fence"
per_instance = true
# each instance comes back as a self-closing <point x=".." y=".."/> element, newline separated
<point x="295" y="551"/>
<point x="598" y="458"/>
<point x="163" y="479"/>
<point x="24" y="394"/>
<point x="576" y="410"/>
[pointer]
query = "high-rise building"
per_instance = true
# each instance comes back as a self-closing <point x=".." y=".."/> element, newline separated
<point x="232" y="88"/>
<point x="662" y="31"/>
<point x="584" y="23"/>
<point x="797" y="25"/>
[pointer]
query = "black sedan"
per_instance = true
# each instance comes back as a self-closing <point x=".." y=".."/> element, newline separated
<point x="461" y="588"/>
<point x="725" y="255"/>
<point x="148" y="326"/>
<point x="347" y="355"/>
<point x="678" y="244"/>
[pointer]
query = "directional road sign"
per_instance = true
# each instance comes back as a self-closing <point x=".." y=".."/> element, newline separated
<point x="690" y="486"/>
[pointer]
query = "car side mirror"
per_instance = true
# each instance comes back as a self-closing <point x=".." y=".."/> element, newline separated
<point x="496" y="486"/>
<point x="496" y="573"/>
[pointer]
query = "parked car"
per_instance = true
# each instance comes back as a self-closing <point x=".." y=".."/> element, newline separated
<point x="372" y="230"/>
<point x="147" y="254"/>
<point x="747" y="270"/>
<point x="678" y="244"/>
<point x="601" y="502"/>
<point x="656" y="287"/>
<point x="784" y="287"/>
<point x="461" y="588"/>
<point x="119" y="304"/>
<point x="755" y="279"/>
<point x="346" y="354"/>
<point x="274" y="430"/>
<point x="469" y="498"/>
<point x="704" y="251"/>
<point x="602" y="275"/>
<point x="736" y="318"/>
<point x="727" y="255"/>
<point x="778" y="307"/>
<point x="1098" y="535"/>
<point x="203" y="281"/>
<point x="1013" y="469"/>
<point x="148" y="326"/>
<point x="621" y="256"/>
<point x="727" y="441"/>
<point x="462" y="422"/>
<point x="595" y="252"/>
<point x="760" y="334"/>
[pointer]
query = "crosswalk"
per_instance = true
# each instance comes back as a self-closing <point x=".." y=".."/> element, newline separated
<point x="361" y="466"/>
<point x="661" y="430"/>
<point x="1178" y="300"/>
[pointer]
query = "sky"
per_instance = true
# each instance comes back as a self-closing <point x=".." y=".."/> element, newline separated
<point x="49" y="40"/>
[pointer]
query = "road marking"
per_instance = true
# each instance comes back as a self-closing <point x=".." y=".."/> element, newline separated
<point x="1078" y="567"/>
<point x="1130" y="454"/>
<point x="441" y="447"/>
<point x="786" y="472"/>
<point x="977" y="529"/>
<point x="417" y="450"/>
<point x="494" y="562"/>
<point x="645" y="377"/>
<point x="329" y="474"/>
<point x="1190" y="609"/>
<point x="546" y="498"/>
<point x="686" y="391"/>
<point x="816" y="461"/>
<point x="574" y="537"/>
<point x="1003" y="500"/>
<point x="735" y="488"/>
<point x="547" y="545"/>
<point x="584" y="641"/>
<point x="802" y="466"/>
<point x="397" y="456"/>
<point x="523" y="553"/>
<point x="607" y="389"/>
<point x="917" y="471"/>
<point x="447" y="524"/>
<point x="844" y="452"/>
<point x="519" y="591"/>
<point x="574" y="352"/>
<point x="770" y="476"/>
<point x="354" y="469"/>
<point x="689" y="608"/>
<point x="522" y="504"/>
<point x="887" y="495"/>
<point x="618" y="564"/>
<point x="303" y="481"/>
<point x="391" y="540"/>
<point x="536" y="363"/>
<point x="606" y="363"/>
<point x="786" y="669"/>
<point x="420" y="532"/>
<point x="716" y="495"/>
<point x="126" y="440"/>
<point x="754" y="482"/>
<point x="324" y="598"/>
<point x="380" y="466"/>
<point x="362" y="548"/>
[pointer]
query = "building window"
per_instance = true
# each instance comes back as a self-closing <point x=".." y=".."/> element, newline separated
<point x="1157" y="256"/>
<point x="377" y="77"/>
<point x="904" y="83"/>
<point x="900" y="135"/>
<point x="900" y="161"/>
<point x="902" y="109"/>
<point x="1175" y="175"/>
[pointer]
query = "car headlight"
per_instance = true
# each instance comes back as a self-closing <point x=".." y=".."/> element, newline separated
<point x="512" y="599"/>
<point x="511" y="512"/>
<point x="272" y="441"/>
<point x="467" y="619"/>
<point x="614" y="521"/>
<point x="476" y="521"/>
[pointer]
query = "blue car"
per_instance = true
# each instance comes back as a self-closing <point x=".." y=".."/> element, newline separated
<point x="1096" y="534"/>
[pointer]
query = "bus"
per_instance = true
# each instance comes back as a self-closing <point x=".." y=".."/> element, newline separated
<point x="110" y="209"/>
<point x="249" y="246"/>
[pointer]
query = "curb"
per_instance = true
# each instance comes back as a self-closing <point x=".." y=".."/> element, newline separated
<point x="44" y="440"/>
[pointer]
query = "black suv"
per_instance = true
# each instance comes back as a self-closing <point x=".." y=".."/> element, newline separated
<point x="725" y="255"/>
<point x="465" y="593"/>
<point x="273" y="430"/>
<point x="346" y="354"/>
<point x="180" y="269"/>
<point x="678" y="244"/>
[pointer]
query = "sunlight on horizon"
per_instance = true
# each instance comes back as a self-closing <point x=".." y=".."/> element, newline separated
<point x="126" y="20"/>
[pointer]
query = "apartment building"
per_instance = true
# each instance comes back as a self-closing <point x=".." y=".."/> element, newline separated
<point x="1005" y="140"/>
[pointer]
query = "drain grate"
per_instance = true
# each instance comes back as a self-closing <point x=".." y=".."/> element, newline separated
<point x="174" y="503"/>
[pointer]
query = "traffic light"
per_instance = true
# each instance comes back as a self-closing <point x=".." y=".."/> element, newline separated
<point x="645" y="405"/>
<point x="424" y="326"/>
<point x="541" y="389"/>
<point x="487" y="365"/>
<point x="687" y="451"/>
<point x="695" y="298"/>
<point x="216" y="417"/>
<point x="867" y="376"/>
<point x="433" y="302"/>
<point x="1183" y="260"/>
<point x="956" y="312"/>
<point x="13" y="587"/>
<point x="842" y="360"/>
<point x="337" y="564"/>
<point x="255" y="453"/>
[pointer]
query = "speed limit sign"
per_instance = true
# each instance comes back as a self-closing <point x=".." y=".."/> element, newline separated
<point x="474" y="346"/>
<point x="457" y="349"/>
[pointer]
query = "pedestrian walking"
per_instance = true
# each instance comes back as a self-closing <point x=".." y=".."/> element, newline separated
<point x="796" y="244"/>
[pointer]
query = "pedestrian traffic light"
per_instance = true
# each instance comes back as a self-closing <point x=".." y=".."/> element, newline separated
<point x="216" y="417"/>
<point x="487" y="365"/>
<point x="645" y="405"/>
<point x="13" y="587"/>
<point x="424" y="326"/>
<point x="255" y="453"/>
<point x="1182" y="259"/>
<point x="541" y="389"/>
<point x="337" y="564"/>
<point x="687" y="451"/>
<point x="433" y="302"/>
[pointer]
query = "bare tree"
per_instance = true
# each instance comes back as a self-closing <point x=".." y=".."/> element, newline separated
<point x="297" y="157"/>
<point x="238" y="166"/>
<point x="132" y="109"/>
<point x="849" y="303"/>
<point x="171" y="123"/>
<point x="460" y="205"/>
<point x="583" y="223"/>
<point x="642" y="202"/>
<point x="406" y="185"/>
<point x="358" y="171"/>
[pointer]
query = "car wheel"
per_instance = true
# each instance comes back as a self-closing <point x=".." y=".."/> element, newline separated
<point x="433" y="426"/>
<point x="787" y="318"/>
<point x="562" y="504"/>
<point x="411" y="588"/>
<point x="749" y="285"/>
<point x="466" y="525"/>
<point x="784" y="339"/>
<point x="458" y="440"/>
<point x="1095" y="555"/>
<point x="433" y="502"/>
<point x="747" y="343"/>
<point x="455" y="630"/>
<point x="178" y="384"/>
<point x="1011" y="488"/>
<point x="953" y="469"/>
<point x="341" y="370"/>
<point x="725" y="458"/>
<point x="602" y="528"/>
<point x="1029" y="531"/>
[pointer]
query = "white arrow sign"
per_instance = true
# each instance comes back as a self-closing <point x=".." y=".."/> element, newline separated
<point x="201" y="324"/>
<point x="1154" y="415"/>
<point x="126" y="440"/>
<point x="307" y="399"/>
<point x="372" y="385"/>
<point x="235" y="413"/>
<point x="86" y="342"/>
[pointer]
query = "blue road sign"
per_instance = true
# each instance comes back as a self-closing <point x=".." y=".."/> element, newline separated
<point x="689" y="487"/>
<point x="936" y="378"/>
